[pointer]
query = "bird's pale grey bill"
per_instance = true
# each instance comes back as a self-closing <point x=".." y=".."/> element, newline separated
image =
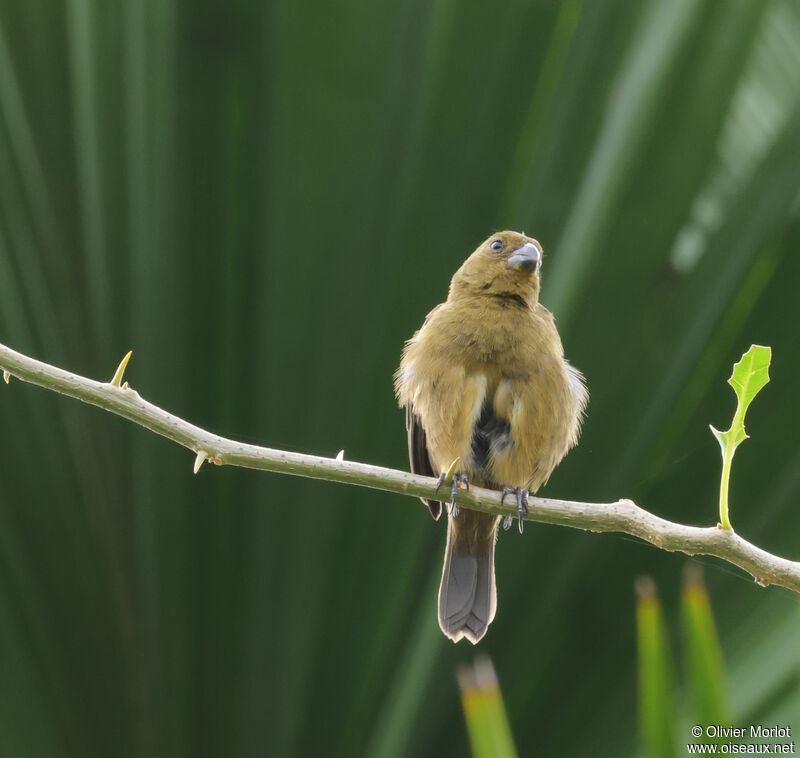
<point x="525" y="258"/>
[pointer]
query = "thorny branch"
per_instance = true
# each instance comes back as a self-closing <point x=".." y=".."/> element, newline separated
<point x="621" y="516"/>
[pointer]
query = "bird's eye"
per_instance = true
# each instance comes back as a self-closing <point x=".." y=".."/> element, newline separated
<point x="497" y="245"/>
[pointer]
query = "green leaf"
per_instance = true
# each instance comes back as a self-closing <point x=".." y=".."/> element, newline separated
<point x="704" y="671"/>
<point x="657" y="718"/>
<point x="487" y="723"/>
<point x="750" y="375"/>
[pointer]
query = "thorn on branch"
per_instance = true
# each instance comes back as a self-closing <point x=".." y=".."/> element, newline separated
<point x="340" y="455"/>
<point x="6" y="377"/>
<point x="448" y="475"/>
<point x="116" y="380"/>
<point x="200" y="460"/>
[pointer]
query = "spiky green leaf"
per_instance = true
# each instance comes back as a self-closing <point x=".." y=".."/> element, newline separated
<point x="750" y="375"/>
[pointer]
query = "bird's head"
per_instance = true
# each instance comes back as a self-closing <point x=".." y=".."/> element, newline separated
<point x="507" y="264"/>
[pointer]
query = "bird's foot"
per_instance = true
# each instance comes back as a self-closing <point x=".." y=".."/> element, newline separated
<point x="455" y="480"/>
<point x="522" y="505"/>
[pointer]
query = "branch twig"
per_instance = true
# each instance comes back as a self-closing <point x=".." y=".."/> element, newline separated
<point x="621" y="516"/>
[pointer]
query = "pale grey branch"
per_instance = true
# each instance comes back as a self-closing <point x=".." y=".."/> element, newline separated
<point x="621" y="516"/>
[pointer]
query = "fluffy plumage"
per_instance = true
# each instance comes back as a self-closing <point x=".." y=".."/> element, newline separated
<point x="485" y="380"/>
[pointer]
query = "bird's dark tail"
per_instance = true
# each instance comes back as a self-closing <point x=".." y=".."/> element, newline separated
<point x="467" y="595"/>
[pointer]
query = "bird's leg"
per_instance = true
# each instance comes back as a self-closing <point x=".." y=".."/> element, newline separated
<point x="455" y="481"/>
<point x="522" y="506"/>
<point x="521" y="494"/>
<point x="508" y="519"/>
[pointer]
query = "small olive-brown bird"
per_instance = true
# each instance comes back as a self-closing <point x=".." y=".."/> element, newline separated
<point x="485" y="381"/>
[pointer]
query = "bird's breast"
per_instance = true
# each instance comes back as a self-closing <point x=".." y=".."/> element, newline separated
<point x="491" y="387"/>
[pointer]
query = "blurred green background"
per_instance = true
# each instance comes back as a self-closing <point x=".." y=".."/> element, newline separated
<point x="264" y="200"/>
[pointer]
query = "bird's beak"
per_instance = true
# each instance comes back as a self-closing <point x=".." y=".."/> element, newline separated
<point x="527" y="258"/>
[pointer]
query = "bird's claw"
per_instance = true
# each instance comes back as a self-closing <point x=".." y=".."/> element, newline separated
<point x="522" y="505"/>
<point x="457" y="479"/>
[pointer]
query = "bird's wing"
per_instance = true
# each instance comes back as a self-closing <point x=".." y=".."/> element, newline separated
<point x="418" y="455"/>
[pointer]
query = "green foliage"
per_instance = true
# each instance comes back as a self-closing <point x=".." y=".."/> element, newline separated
<point x="262" y="200"/>
<point x="704" y="677"/>
<point x="704" y="669"/>
<point x="750" y="375"/>
<point x="485" y="714"/>
<point x="657" y="718"/>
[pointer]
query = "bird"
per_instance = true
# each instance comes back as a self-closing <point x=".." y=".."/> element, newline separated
<point x="489" y="400"/>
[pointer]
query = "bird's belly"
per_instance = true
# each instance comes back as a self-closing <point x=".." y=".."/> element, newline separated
<point x="518" y="440"/>
<point x="521" y="466"/>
